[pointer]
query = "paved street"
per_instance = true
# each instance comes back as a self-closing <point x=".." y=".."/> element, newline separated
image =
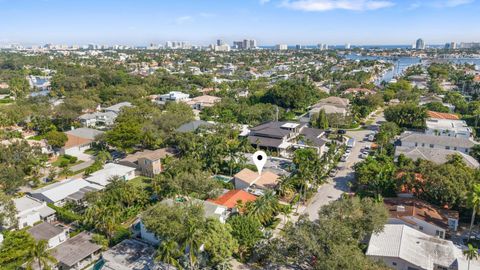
<point x="335" y="187"/>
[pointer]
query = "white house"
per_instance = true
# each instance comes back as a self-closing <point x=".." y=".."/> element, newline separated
<point x="414" y="139"/>
<point x="174" y="96"/>
<point x="67" y="190"/>
<point x="448" y="127"/>
<point x="31" y="211"/>
<point x="403" y="248"/>
<point x="103" y="176"/>
<point x="54" y="235"/>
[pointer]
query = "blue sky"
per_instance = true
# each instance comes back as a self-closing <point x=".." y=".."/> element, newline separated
<point x="140" y="22"/>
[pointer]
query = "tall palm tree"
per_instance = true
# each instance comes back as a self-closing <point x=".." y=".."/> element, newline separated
<point x="474" y="202"/>
<point x="264" y="207"/>
<point x="471" y="254"/>
<point x="191" y="243"/>
<point x="40" y="257"/>
<point x="168" y="252"/>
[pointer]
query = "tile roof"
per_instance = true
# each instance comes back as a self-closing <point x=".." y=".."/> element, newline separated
<point x="435" y="155"/>
<point x="334" y="101"/>
<point x="439" y="115"/>
<point x="420" y="210"/>
<point x="266" y="180"/>
<point x="231" y="198"/>
<point x="73" y="141"/>
<point x="149" y="154"/>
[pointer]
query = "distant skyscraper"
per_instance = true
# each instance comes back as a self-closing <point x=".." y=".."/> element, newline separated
<point x="420" y="44"/>
<point x="253" y="44"/>
<point x="281" y="47"/>
<point x="298" y="47"/>
<point x="220" y="42"/>
<point x="347" y="46"/>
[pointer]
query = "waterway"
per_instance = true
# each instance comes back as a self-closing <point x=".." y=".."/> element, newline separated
<point x="402" y="63"/>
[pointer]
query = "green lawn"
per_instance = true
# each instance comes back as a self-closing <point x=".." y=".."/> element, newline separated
<point x="36" y="138"/>
<point x="63" y="159"/>
<point x="141" y="181"/>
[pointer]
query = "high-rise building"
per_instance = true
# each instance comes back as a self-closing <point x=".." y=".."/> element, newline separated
<point x="347" y="46"/>
<point x="420" y="44"/>
<point x="253" y="44"/>
<point x="451" y="46"/>
<point x="281" y="47"/>
<point x="322" y="46"/>
<point x="220" y="42"/>
<point x="245" y="44"/>
<point x="298" y="47"/>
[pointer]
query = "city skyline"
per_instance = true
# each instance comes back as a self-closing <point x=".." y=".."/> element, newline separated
<point x="270" y="22"/>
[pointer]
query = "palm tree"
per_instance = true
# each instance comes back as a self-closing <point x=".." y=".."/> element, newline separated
<point x="40" y="256"/>
<point x="264" y="207"/>
<point x="191" y="243"/>
<point x="474" y="202"/>
<point x="471" y="253"/>
<point x="168" y="252"/>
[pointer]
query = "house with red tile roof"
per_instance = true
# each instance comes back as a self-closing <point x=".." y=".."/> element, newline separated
<point x="234" y="197"/>
<point x="446" y="116"/>
<point x="421" y="216"/>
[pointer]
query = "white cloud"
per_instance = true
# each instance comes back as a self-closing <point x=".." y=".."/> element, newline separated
<point x="454" y="3"/>
<point x="184" y="19"/>
<point x="326" y="5"/>
<point x="441" y="3"/>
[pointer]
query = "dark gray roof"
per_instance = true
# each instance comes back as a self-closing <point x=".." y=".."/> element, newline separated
<point x="265" y="142"/>
<point x="272" y="129"/>
<point x="313" y="135"/>
<point x="44" y="231"/>
<point x="75" y="249"/>
<point x="193" y="126"/>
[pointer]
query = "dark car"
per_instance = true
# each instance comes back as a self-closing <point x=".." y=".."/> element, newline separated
<point x="342" y="131"/>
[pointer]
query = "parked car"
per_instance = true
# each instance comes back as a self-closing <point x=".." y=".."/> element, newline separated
<point x="332" y="173"/>
<point x="363" y="155"/>
<point x="342" y="131"/>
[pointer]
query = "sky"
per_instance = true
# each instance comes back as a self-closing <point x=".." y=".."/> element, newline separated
<point x="201" y="22"/>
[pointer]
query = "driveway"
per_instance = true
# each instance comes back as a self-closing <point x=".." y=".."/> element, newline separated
<point x="335" y="187"/>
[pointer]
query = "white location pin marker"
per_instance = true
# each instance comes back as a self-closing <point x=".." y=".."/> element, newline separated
<point x="259" y="159"/>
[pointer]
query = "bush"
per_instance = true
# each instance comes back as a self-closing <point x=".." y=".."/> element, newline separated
<point x="65" y="215"/>
<point x="120" y="235"/>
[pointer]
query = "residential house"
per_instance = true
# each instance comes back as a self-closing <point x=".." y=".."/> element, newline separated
<point x="437" y="156"/>
<point x="401" y="247"/>
<point x="193" y="126"/>
<point x="421" y="216"/>
<point x="254" y="182"/>
<point x="131" y="254"/>
<point x="414" y="139"/>
<point x="331" y="105"/>
<point x="104" y="176"/>
<point x="31" y="211"/>
<point x="440" y="115"/>
<point x="173" y="96"/>
<point x="54" y="235"/>
<point x="77" y="252"/>
<point x="356" y="91"/>
<point x="106" y="117"/>
<point x="234" y="197"/>
<point x="201" y="102"/>
<point x="284" y="136"/>
<point x="148" y="162"/>
<point x="211" y="210"/>
<point x="448" y="127"/>
<point x="67" y="190"/>
<point x="79" y="140"/>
